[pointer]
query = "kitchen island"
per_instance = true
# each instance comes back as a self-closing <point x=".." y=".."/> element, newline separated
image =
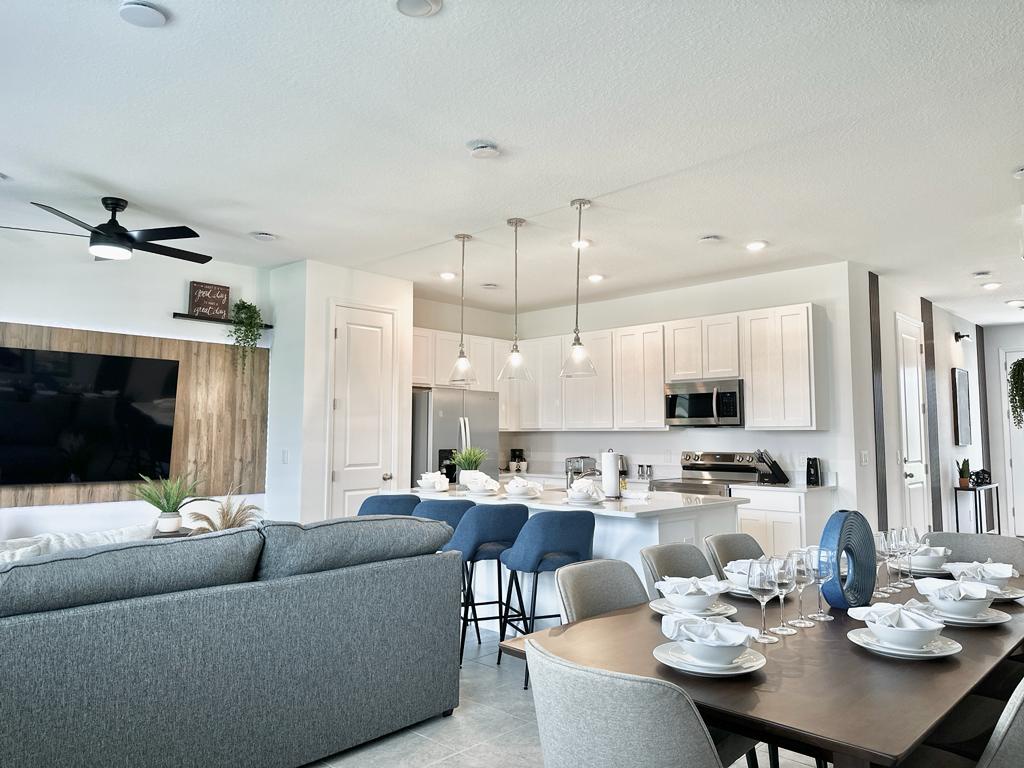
<point x="622" y="528"/>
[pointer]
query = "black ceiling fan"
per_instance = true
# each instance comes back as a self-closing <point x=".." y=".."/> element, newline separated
<point x="111" y="241"/>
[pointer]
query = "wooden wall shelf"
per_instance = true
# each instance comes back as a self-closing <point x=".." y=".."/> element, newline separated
<point x="186" y="316"/>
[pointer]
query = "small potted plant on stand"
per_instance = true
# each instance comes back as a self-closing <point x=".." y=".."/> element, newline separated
<point x="169" y="495"/>
<point x="964" y="468"/>
<point x="468" y="459"/>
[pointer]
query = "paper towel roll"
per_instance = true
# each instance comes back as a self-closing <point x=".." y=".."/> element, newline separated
<point x="610" y="474"/>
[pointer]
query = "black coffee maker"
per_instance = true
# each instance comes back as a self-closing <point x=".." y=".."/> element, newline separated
<point x="814" y="478"/>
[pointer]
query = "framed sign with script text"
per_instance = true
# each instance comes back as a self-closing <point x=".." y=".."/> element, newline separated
<point x="208" y="300"/>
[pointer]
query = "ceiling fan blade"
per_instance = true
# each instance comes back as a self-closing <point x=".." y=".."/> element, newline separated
<point x="174" y="253"/>
<point x="66" y="217"/>
<point x="44" y="231"/>
<point x="161" y="233"/>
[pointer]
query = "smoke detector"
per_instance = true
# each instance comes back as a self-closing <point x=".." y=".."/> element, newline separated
<point x="418" y="9"/>
<point x="142" y="14"/>
<point x="482" y="150"/>
<point x="1019" y="173"/>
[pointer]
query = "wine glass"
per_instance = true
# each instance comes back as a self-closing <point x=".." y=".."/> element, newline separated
<point x="802" y="576"/>
<point x="823" y="564"/>
<point x="785" y="580"/>
<point x="902" y="550"/>
<point x="762" y="583"/>
<point x="913" y="540"/>
<point x="882" y="554"/>
<point x="893" y="551"/>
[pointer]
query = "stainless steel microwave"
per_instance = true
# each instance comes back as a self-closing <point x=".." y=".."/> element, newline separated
<point x="709" y="403"/>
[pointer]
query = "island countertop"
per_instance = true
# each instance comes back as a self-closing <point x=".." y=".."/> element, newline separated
<point x="660" y="504"/>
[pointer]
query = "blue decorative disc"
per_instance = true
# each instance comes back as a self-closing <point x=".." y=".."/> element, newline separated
<point x="847" y="531"/>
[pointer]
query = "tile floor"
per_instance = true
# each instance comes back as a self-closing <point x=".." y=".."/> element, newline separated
<point x="495" y="726"/>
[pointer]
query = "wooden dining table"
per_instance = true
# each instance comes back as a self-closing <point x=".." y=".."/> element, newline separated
<point x="818" y="694"/>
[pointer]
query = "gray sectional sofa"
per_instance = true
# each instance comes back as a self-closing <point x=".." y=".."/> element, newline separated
<point x="264" y="647"/>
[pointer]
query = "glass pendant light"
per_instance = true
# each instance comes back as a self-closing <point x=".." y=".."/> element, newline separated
<point x="578" y="364"/>
<point x="515" y="368"/>
<point x="462" y="374"/>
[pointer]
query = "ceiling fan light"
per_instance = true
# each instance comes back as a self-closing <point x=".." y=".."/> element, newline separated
<point x="109" y="248"/>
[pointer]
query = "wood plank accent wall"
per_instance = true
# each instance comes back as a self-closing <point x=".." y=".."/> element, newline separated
<point x="220" y="417"/>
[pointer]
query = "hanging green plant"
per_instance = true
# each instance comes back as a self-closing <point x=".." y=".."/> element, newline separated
<point x="1015" y="391"/>
<point x="246" y="329"/>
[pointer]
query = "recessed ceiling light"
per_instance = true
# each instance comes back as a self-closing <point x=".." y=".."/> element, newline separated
<point x="757" y="245"/>
<point x="595" y="278"/>
<point x="479" y="149"/>
<point x="447" y="275"/>
<point x="263" y="237"/>
<point x="710" y="239"/>
<point x="1016" y="302"/>
<point x="489" y="286"/>
<point x="991" y="286"/>
<point x="584" y="243"/>
<point x="979" y="275"/>
<point x="1019" y="173"/>
<point x="418" y="9"/>
<point x="142" y="14"/>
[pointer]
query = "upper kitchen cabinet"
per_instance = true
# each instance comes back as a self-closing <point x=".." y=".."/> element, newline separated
<point x="446" y="349"/>
<point x="777" y="366"/>
<point x="588" y="402"/>
<point x="422" y="357"/>
<point x="540" y="400"/>
<point x="702" y="348"/>
<point x="481" y="355"/>
<point x="639" y="377"/>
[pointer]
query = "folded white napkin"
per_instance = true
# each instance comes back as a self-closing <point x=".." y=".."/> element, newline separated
<point x="955" y="590"/>
<point x="932" y="552"/>
<point x="521" y="484"/>
<point x="980" y="571"/>
<point x="436" y="480"/>
<point x="739" y="566"/>
<point x="586" y="486"/>
<point x="714" y="631"/>
<point x="912" y="615"/>
<point x="709" y="585"/>
<point x="638" y="495"/>
<point x="480" y="481"/>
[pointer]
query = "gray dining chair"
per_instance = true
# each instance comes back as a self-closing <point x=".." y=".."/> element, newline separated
<point x="1005" y="748"/>
<point x="968" y="547"/>
<point x="606" y="719"/>
<point x="598" y="586"/>
<point x="682" y="560"/>
<point x="723" y="548"/>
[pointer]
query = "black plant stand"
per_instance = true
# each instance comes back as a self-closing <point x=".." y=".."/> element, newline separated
<point x="980" y="509"/>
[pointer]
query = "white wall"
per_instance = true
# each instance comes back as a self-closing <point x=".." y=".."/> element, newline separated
<point x="440" y="316"/>
<point x="1000" y="338"/>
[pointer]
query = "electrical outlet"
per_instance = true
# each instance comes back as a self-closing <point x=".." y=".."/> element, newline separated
<point x="801" y="460"/>
<point x="865" y="457"/>
<point x="284" y="455"/>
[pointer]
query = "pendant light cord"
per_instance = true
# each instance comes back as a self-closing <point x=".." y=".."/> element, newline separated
<point x="515" y="285"/>
<point x="462" y="300"/>
<point x="579" y="235"/>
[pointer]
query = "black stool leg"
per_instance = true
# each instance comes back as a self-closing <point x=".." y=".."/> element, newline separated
<point x="472" y="600"/>
<point x="773" y="756"/>
<point x="533" y="613"/>
<point x="465" y="612"/>
<point x="505" y="610"/>
<point x="819" y="763"/>
<point x="752" y="759"/>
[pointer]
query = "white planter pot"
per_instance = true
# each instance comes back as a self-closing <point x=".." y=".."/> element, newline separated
<point x="168" y="524"/>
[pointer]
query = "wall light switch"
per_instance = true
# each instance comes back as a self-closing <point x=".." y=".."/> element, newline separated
<point x="284" y="456"/>
<point x="865" y="457"/>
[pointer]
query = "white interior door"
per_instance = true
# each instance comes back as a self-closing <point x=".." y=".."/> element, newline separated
<point x="913" y="426"/>
<point x="363" y="428"/>
<point x="1013" y="439"/>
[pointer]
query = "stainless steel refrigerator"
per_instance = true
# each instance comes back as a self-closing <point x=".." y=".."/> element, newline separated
<point x="445" y="420"/>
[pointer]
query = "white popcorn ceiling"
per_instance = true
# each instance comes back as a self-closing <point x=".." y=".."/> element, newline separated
<point x="878" y="132"/>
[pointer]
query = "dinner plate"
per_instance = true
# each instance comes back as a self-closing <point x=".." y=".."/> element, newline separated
<point x="481" y="493"/>
<point x="438" y="494"/>
<point x="741" y="592"/>
<point x="937" y="649"/>
<point x="986" y="618"/>
<point x="531" y="495"/>
<point x="671" y="655"/>
<point x="584" y="503"/>
<point x="665" y="608"/>
<point x="935" y="573"/>
<point x="1009" y="594"/>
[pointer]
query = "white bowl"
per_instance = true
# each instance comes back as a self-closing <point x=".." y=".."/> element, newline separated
<point x="928" y="562"/>
<point x="519" y="490"/>
<point x="579" y="496"/>
<point x="996" y="582"/>
<point x="425" y="483"/>
<point x="903" y="637"/>
<point x="739" y="579"/>
<point x="962" y="609"/>
<point x="690" y="602"/>
<point x="716" y="655"/>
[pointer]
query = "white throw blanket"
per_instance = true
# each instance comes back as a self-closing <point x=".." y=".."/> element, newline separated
<point x="956" y="590"/>
<point x="980" y="571"/>
<point x="709" y="585"/>
<point x="911" y="615"/>
<point x="714" y="631"/>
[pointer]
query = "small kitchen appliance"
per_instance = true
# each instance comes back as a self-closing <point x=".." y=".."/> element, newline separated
<point x="707" y="403"/>
<point x="813" y="471"/>
<point x="577" y="466"/>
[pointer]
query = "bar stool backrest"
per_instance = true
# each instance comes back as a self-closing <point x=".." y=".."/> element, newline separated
<point x="608" y="720"/>
<point x="485" y="524"/>
<point x="570" y="533"/>
<point x="446" y="510"/>
<point x="388" y="504"/>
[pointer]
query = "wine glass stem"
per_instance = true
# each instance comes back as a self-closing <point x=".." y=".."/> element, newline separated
<point x="764" y="618"/>
<point x="800" y="602"/>
<point x="820" y="585"/>
<point x="782" y="610"/>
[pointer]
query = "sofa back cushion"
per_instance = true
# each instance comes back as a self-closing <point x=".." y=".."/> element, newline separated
<point x="134" y="569"/>
<point x="294" y="548"/>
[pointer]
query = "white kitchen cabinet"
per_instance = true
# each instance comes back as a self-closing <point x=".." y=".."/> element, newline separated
<point x="684" y="354"/>
<point x="508" y="405"/>
<point x="446" y="349"/>
<point x="528" y="400"/>
<point x="549" y="382"/>
<point x="777" y="366"/>
<point x="720" y="346"/>
<point x="783" y="518"/>
<point x="589" y="403"/>
<point x="752" y="523"/>
<point x="481" y="356"/>
<point x="639" y="377"/>
<point x="422" y="357"/>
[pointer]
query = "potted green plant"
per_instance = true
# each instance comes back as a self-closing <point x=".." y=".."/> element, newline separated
<point x="468" y="459"/>
<point x="1015" y="392"/>
<point x="964" y="470"/>
<point x="169" y="495"/>
<point x="228" y="515"/>
<point x="246" y="328"/>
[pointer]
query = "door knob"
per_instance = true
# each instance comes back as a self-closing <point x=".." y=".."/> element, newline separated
<point x="386" y="477"/>
<point x="908" y="474"/>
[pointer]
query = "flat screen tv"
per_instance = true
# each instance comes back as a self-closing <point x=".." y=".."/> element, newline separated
<point x="68" y="417"/>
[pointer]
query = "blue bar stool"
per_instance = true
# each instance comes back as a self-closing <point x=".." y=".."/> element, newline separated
<point x="389" y="504"/>
<point x="548" y="541"/>
<point x="484" y="533"/>
<point x="446" y="510"/>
